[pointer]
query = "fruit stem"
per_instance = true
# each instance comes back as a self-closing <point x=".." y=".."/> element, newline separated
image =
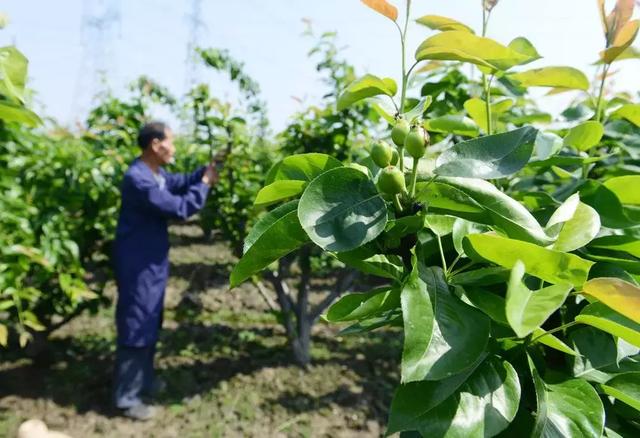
<point x="403" y="37"/>
<point x="605" y="71"/>
<point x="557" y="329"/>
<point x="444" y="261"/>
<point x="487" y="102"/>
<point x="396" y="203"/>
<point x="485" y="21"/>
<point x="486" y="84"/>
<point x="414" y="178"/>
<point x="401" y="159"/>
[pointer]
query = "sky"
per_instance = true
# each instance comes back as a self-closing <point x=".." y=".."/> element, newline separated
<point x="151" y="38"/>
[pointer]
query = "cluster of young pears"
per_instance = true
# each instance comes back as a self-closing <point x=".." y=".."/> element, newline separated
<point x="391" y="180"/>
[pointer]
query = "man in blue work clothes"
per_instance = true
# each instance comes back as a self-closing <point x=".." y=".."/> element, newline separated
<point x="150" y="197"/>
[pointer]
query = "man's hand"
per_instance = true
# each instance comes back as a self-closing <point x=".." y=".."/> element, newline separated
<point x="210" y="176"/>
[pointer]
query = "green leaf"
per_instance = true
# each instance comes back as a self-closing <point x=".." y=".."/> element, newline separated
<point x="403" y="226"/>
<point x="597" y="353"/>
<point x="418" y="316"/>
<point x="13" y="73"/>
<point x="584" y="136"/>
<point x="524" y="46"/>
<point x="574" y="224"/>
<point x="546" y="145"/>
<point x="612" y="213"/>
<point x="437" y="22"/>
<point x="628" y="244"/>
<point x="367" y="86"/>
<point x="274" y="235"/>
<point x="459" y="336"/>
<point x="625" y="388"/>
<point x="551" y="266"/>
<point x="278" y="191"/>
<point x="301" y="167"/>
<point x="383" y="111"/>
<point x="491" y="156"/>
<point x="359" y="306"/>
<point x="571" y="409"/>
<point x="550" y="340"/>
<point x="491" y="304"/>
<point x="12" y="112"/>
<point x="480" y="201"/>
<point x="606" y="319"/>
<point x="554" y="77"/>
<point x="477" y="109"/>
<point x="341" y="210"/>
<point x="439" y="224"/>
<point x="461" y="228"/>
<point x="465" y="47"/>
<point x="481" y="277"/>
<point x="631" y="112"/>
<point x="528" y="310"/>
<point x="452" y="124"/>
<point x="619" y="295"/>
<point x="611" y="270"/>
<point x="609" y="433"/>
<point x="482" y="406"/>
<point x="629" y="264"/>
<point x="625" y="188"/>
<point x="374" y="264"/>
<point x="412" y="402"/>
<point x="564" y="160"/>
<point x="418" y="110"/>
<point x="368" y="325"/>
<point x="531" y="117"/>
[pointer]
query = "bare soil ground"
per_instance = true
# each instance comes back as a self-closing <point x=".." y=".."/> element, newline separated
<point x="225" y="360"/>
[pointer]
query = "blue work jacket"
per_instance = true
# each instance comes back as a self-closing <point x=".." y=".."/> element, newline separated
<point x="141" y="250"/>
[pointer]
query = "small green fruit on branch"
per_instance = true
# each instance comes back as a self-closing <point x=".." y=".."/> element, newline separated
<point x="391" y="182"/>
<point x="394" y="157"/>
<point x="399" y="132"/>
<point x="398" y="135"/>
<point x="382" y="154"/>
<point x="415" y="142"/>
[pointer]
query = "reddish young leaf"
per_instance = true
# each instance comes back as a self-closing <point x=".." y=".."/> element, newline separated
<point x="383" y="7"/>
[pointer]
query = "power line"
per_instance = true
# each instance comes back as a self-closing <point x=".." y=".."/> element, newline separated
<point x="197" y="29"/>
<point x="100" y="30"/>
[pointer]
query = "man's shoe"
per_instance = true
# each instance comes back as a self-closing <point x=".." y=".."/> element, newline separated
<point x="140" y="412"/>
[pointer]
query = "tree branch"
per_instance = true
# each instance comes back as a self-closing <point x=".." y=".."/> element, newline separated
<point x="265" y="295"/>
<point x="304" y="261"/>
<point x="284" y="299"/>
<point x="344" y="282"/>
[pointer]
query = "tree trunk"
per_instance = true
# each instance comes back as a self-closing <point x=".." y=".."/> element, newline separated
<point x="299" y="317"/>
<point x="302" y="343"/>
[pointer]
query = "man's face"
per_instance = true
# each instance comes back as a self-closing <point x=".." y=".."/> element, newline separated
<point x="164" y="149"/>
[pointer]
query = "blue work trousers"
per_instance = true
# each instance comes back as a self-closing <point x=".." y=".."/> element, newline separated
<point x="134" y="375"/>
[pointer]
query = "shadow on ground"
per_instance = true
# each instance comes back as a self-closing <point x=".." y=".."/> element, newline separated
<point x="195" y="359"/>
<point x="237" y="352"/>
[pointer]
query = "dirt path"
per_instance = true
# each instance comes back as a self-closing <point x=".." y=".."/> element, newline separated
<point x="224" y="358"/>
